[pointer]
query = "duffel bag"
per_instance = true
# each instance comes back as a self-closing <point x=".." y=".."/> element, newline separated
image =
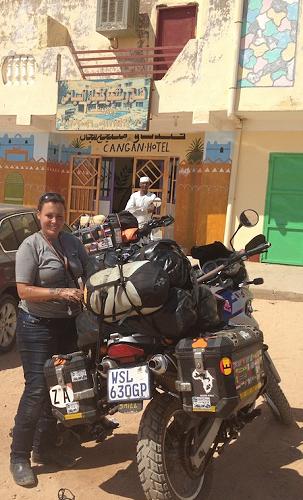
<point x="128" y="290"/>
<point x="175" y="319"/>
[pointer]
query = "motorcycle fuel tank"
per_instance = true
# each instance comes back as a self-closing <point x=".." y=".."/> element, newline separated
<point x="220" y="373"/>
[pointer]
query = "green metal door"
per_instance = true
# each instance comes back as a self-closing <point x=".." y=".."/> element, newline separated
<point x="283" y="223"/>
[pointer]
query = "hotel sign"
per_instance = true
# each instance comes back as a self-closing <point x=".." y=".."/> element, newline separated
<point x="104" y="104"/>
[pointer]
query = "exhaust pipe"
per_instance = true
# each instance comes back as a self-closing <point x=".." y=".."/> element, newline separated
<point x="105" y="365"/>
<point x="158" y="364"/>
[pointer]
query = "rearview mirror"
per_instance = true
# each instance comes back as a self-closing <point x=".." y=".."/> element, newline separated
<point x="157" y="202"/>
<point x="249" y="218"/>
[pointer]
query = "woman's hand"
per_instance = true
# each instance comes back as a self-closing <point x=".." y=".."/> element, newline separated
<point x="70" y="294"/>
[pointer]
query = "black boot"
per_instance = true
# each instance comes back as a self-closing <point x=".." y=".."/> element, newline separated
<point x="23" y="474"/>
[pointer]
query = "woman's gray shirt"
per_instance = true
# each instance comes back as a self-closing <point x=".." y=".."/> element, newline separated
<point x="37" y="264"/>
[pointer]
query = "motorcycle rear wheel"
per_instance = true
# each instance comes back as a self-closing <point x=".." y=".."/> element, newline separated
<point x="276" y="400"/>
<point x="163" y="454"/>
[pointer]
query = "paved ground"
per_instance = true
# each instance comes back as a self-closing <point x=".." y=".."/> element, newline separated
<point x="264" y="464"/>
<point x="280" y="282"/>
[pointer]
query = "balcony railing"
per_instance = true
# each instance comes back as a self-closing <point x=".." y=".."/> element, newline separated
<point x="124" y="63"/>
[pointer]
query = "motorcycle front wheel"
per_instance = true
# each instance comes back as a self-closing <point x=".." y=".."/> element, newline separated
<point x="164" y="453"/>
<point x="276" y="399"/>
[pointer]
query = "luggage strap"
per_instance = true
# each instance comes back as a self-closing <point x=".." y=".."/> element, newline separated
<point x="135" y="308"/>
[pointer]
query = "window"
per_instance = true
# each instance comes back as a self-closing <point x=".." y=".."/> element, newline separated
<point x="7" y="236"/>
<point x="24" y="225"/>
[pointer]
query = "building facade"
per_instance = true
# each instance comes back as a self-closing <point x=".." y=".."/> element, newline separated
<point x="204" y="97"/>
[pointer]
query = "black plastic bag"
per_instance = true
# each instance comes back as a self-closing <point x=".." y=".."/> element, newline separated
<point x="126" y="219"/>
<point x="207" y="310"/>
<point x="170" y="257"/>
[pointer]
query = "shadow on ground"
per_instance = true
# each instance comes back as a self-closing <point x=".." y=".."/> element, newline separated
<point x="9" y="360"/>
<point x="256" y="466"/>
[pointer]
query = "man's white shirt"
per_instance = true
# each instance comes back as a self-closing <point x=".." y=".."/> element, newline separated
<point x="138" y="205"/>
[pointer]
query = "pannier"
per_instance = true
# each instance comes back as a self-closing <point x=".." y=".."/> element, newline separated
<point x="71" y="388"/>
<point x="221" y="373"/>
<point x="132" y="289"/>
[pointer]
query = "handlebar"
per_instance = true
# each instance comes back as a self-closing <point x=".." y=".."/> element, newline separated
<point x="237" y="257"/>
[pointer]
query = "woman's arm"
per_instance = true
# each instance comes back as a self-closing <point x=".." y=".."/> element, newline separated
<point x="33" y="293"/>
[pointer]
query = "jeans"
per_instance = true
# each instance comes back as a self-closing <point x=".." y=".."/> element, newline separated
<point x="38" y="339"/>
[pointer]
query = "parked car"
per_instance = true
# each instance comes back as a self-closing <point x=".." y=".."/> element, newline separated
<point x="15" y="226"/>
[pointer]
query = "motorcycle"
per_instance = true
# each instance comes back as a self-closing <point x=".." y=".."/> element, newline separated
<point x="202" y="391"/>
<point x="233" y="284"/>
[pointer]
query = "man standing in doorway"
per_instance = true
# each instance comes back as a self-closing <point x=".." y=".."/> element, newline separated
<point x="141" y="204"/>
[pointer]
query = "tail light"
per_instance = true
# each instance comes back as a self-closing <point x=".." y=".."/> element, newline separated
<point x="125" y="352"/>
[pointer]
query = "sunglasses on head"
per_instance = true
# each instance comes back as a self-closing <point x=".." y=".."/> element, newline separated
<point x="50" y="197"/>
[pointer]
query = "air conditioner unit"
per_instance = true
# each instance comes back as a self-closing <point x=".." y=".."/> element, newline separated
<point x="116" y="18"/>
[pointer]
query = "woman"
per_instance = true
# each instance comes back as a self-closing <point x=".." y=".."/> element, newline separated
<point x="49" y="265"/>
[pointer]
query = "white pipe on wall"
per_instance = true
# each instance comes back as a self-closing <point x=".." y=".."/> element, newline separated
<point x="232" y="115"/>
<point x="232" y="186"/>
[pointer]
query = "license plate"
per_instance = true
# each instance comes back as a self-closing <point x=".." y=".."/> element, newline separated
<point x="128" y="384"/>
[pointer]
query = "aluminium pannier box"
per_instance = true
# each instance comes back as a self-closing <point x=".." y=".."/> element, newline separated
<point x="220" y="373"/>
<point x="71" y="388"/>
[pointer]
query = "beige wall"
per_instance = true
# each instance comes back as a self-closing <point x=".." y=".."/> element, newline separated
<point x="253" y="172"/>
<point x="44" y="30"/>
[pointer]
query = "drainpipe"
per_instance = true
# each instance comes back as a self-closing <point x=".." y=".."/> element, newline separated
<point x="232" y="115"/>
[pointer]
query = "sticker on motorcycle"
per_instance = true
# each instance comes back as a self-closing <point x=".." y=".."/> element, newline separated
<point x="202" y="403"/>
<point x="60" y="396"/>
<point x="226" y="366"/>
<point x="199" y="343"/>
<point x="78" y="375"/>
<point x="205" y="378"/>
<point x="132" y="407"/>
<point x="244" y="335"/>
<point x="72" y="407"/>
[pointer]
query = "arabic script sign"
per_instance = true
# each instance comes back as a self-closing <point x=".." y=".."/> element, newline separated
<point x="103" y="104"/>
<point x="137" y="143"/>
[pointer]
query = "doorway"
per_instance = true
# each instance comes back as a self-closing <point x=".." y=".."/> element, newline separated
<point x="122" y="183"/>
<point x="102" y="185"/>
<point x="175" y="27"/>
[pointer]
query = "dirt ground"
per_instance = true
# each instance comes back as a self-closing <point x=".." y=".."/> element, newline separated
<point x="265" y="463"/>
